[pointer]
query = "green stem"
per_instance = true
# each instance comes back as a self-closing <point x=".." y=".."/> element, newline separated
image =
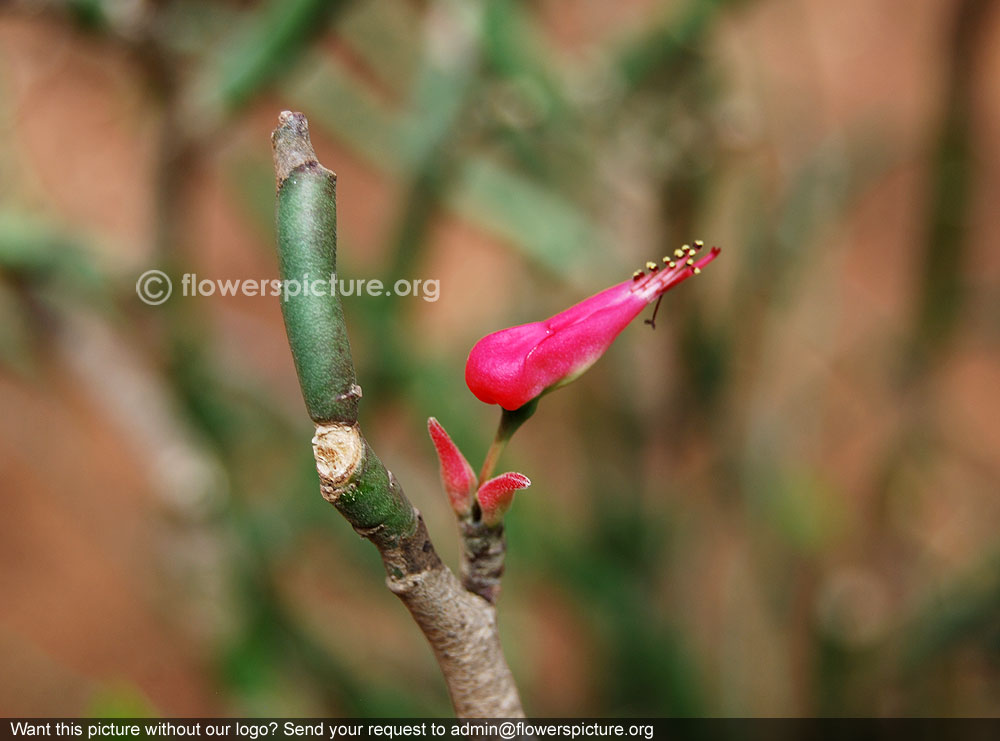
<point x="492" y="456"/>
<point x="510" y="422"/>
<point x="307" y="262"/>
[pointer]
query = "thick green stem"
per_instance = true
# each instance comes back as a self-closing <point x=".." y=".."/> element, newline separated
<point x="307" y="263"/>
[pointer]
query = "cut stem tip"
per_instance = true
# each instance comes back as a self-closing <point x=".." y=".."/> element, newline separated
<point x="291" y="144"/>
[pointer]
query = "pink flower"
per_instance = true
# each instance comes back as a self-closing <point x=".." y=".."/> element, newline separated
<point x="517" y="365"/>
<point x="496" y="495"/>
<point x="457" y="476"/>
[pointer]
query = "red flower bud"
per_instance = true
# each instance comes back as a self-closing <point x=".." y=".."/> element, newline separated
<point x="457" y="476"/>
<point x="496" y="495"/>
<point x="516" y="365"/>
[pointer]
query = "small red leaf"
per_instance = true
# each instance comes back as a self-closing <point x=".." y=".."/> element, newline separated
<point x="496" y="495"/>
<point x="457" y="476"/>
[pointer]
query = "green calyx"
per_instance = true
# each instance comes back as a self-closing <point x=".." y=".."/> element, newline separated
<point x="511" y="420"/>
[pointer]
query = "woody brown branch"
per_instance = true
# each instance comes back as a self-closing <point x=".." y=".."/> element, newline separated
<point x="461" y="627"/>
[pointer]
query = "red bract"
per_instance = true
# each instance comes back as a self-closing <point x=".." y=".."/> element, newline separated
<point x="457" y="476"/>
<point x="496" y="495"/>
<point x="516" y="365"/>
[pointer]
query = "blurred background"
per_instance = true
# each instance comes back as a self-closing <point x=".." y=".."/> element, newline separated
<point x="782" y="501"/>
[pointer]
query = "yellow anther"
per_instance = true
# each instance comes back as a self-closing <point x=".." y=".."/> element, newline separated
<point x="699" y="244"/>
<point x="690" y="261"/>
<point x="652" y="266"/>
<point x="672" y="264"/>
<point x="697" y="271"/>
<point x="637" y="274"/>
<point x="678" y="253"/>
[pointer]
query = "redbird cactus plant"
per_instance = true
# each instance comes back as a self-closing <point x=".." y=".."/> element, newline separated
<point x="513" y="368"/>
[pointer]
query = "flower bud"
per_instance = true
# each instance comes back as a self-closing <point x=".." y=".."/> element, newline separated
<point x="517" y="365"/>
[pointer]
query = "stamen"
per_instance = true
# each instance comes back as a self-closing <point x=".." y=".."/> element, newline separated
<point x="698" y="244"/>
<point x="678" y="253"/>
<point x="651" y="266"/>
<point x="690" y="261"/>
<point x="637" y="274"/>
<point x="652" y="320"/>
<point x="697" y="271"/>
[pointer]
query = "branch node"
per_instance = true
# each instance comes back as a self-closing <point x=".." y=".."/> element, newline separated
<point x="352" y="393"/>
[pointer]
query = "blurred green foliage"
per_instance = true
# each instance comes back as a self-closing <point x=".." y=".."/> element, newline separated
<point x="467" y="108"/>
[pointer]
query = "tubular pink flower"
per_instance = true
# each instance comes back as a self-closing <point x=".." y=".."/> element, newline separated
<point x="496" y="495"/>
<point x="516" y="365"/>
<point x="457" y="476"/>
